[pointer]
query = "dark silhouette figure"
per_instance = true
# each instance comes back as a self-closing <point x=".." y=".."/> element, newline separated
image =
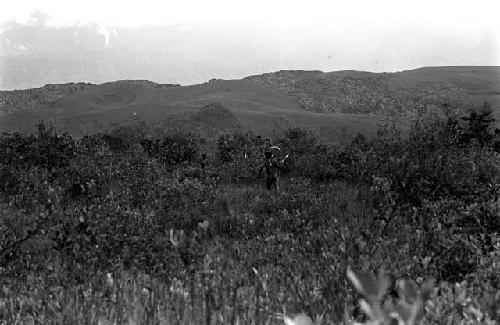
<point x="203" y="160"/>
<point x="272" y="167"/>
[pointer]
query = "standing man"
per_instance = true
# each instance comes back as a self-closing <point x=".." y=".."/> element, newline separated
<point x="272" y="167"/>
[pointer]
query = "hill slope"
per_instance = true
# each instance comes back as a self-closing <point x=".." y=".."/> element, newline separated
<point x="15" y="100"/>
<point x="43" y="97"/>
<point x="336" y="104"/>
<point x="249" y="105"/>
<point x="400" y="92"/>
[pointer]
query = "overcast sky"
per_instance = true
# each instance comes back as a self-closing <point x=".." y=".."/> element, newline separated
<point x="375" y="35"/>
<point x="471" y="16"/>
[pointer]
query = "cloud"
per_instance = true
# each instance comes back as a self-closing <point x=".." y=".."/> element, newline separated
<point x="133" y="13"/>
<point x="249" y="38"/>
<point x="107" y="35"/>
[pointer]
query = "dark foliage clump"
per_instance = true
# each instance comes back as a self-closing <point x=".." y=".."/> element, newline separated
<point x="173" y="149"/>
<point x="47" y="149"/>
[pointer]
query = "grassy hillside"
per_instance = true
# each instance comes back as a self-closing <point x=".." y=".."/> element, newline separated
<point x="15" y="100"/>
<point x="401" y="92"/>
<point x="257" y="108"/>
<point x="336" y="105"/>
<point x="43" y="97"/>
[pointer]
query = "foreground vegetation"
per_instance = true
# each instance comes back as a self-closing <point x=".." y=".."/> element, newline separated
<point x="124" y="228"/>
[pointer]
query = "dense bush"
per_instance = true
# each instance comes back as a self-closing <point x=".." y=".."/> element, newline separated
<point x="479" y="127"/>
<point x="173" y="149"/>
<point x="424" y="204"/>
<point x="309" y="157"/>
<point x="47" y="149"/>
<point x="239" y="156"/>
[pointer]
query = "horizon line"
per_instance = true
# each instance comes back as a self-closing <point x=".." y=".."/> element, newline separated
<point x="259" y="74"/>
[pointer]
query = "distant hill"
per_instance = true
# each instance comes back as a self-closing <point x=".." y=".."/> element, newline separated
<point x="212" y="106"/>
<point x="44" y="96"/>
<point x="336" y="105"/>
<point x="389" y="93"/>
<point x="37" y="97"/>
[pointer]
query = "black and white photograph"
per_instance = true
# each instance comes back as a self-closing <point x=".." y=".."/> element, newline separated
<point x="264" y="162"/>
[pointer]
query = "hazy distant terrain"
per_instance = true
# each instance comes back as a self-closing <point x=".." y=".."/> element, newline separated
<point x="37" y="53"/>
<point x="365" y="92"/>
<point x="257" y="108"/>
<point x="34" y="55"/>
<point x="77" y="62"/>
<point x="335" y="104"/>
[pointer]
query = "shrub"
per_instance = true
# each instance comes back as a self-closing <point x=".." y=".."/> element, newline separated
<point x="308" y="156"/>
<point x="479" y="127"/>
<point x="47" y="149"/>
<point x="239" y="157"/>
<point x="173" y="149"/>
